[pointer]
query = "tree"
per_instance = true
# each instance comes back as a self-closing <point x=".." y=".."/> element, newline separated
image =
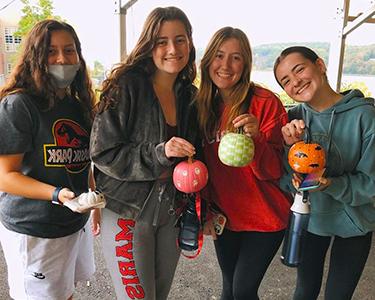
<point x="98" y="71"/>
<point x="356" y="85"/>
<point x="33" y="12"/>
<point x="97" y="74"/>
<point x="286" y="100"/>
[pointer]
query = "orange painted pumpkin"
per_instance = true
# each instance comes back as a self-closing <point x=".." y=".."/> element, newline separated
<point x="306" y="157"/>
<point x="190" y="176"/>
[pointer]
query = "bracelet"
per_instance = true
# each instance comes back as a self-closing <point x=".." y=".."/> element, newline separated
<point x="55" y="196"/>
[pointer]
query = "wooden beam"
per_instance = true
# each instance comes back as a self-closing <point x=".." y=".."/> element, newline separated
<point x="359" y="20"/>
<point x="127" y="5"/>
<point x="352" y="18"/>
<point x="337" y="47"/>
<point x="121" y="10"/>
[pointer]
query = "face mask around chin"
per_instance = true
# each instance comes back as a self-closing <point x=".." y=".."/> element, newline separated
<point x="63" y="75"/>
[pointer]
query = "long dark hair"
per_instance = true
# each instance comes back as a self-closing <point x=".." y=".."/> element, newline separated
<point x="140" y="56"/>
<point x="30" y="74"/>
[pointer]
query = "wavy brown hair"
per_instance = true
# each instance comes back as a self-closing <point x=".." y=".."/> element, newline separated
<point x="30" y="74"/>
<point x="208" y="98"/>
<point x="141" y="56"/>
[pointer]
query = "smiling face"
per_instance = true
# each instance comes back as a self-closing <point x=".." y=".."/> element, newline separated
<point x="172" y="48"/>
<point x="62" y="49"/>
<point x="227" y="66"/>
<point x="301" y="78"/>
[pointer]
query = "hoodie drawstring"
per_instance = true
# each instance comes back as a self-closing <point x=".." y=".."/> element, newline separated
<point x="330" y="131"/>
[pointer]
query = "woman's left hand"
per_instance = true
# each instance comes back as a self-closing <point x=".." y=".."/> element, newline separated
<point x="249" y="123"/>
<point x="96" y="218"/>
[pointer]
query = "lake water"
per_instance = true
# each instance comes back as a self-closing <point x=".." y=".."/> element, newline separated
<point x="267" y="79"/>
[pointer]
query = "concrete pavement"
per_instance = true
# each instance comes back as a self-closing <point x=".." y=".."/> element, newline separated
<point x="200" y="279"/>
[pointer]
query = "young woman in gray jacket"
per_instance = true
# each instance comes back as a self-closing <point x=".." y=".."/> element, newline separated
<point x="145" y="123"/>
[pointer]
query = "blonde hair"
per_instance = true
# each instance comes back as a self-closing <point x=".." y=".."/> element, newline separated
<point x="208" y="99"/>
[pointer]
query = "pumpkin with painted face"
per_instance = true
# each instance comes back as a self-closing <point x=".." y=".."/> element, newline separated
<point x="306" y="158"/>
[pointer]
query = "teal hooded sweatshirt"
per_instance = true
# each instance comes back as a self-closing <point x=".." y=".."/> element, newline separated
<point x="346" y="208"/>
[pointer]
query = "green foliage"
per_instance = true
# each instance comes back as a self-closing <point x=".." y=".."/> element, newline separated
<point x="286" y="100"/>
<point x="265" y="55"/>
<point x="97" y="74"/>
<point x="197" y="80"/>
<point x="98" y="71"/>
<point x="33" y="12"/>
<point x="357" y="59"/>
<point x="359" y="85"/>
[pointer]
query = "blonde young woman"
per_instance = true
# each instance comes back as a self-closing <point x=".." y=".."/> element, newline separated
<point x="255" y="207"/>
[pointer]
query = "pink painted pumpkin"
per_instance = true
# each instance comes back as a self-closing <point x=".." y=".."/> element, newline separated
<point x="190" y="176"/>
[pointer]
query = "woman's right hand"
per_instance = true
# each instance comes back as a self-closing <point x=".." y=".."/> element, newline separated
<point x="292" y="132"/>
<point x="66" y="195"/>
<point x="209" y="228"/>
<point x="178" y="147"/>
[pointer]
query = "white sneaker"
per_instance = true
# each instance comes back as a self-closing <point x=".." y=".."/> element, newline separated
<point x="86" y="201"/>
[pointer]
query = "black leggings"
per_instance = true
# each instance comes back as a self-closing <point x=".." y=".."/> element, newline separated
<point x="244" y="258"/>
<point x="347" y="261"/>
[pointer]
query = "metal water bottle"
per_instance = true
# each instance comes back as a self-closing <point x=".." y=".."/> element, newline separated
<point x="291" y="254"/>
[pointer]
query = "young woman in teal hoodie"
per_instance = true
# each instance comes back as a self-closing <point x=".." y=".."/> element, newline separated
<point x="342" y="208"/>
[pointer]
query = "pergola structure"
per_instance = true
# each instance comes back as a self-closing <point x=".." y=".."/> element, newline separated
<point x="121" y="8"/>
<point x="345" y="25"/>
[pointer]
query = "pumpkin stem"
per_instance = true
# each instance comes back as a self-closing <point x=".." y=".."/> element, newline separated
<point x="190" y="159"/>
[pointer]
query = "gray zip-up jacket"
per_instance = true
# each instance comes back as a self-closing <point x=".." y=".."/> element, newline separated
<point x="128" y="139"/>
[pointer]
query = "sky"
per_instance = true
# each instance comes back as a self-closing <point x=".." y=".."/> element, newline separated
<point x="264" y="21"/>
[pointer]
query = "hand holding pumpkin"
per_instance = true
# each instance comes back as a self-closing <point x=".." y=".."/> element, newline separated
<point x="178" y="147"/>
<point x="249" y="123"/>
<point x="293" y="131"/>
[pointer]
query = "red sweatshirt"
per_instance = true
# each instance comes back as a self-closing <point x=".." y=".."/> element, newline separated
<point x="250" y="196"/>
